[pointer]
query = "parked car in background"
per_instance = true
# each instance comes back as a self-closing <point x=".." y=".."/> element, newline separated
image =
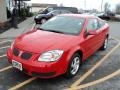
<point x="103" y="16"/>
<point x="59" y="46"/>
<point x="42" y="18"/>
<point x="49" y="9"/>
<point x="106" y="16"/>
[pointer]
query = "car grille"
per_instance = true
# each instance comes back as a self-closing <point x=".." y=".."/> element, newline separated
<point x="22" y="54"/>
<point x="16" y="52"/>
<point x="26" y="55"/>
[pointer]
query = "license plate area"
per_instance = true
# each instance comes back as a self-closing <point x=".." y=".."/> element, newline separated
<point x="17" y="65"/>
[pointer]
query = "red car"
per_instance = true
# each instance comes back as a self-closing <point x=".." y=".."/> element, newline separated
<point x="59" y="46"/>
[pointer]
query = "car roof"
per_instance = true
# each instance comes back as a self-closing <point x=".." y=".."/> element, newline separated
<point x="80" y="15"/>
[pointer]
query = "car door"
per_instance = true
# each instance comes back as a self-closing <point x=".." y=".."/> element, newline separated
<point x="101" y="32"/>
<point x="90" y="43"/>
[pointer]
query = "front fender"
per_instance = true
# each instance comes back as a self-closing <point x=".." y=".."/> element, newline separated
<point x="72" y="51"/>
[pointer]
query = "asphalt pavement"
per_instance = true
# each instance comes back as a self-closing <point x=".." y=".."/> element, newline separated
<point x="115" y="29"/>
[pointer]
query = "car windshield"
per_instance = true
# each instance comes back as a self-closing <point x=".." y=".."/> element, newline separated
<point x="63" y="24"/>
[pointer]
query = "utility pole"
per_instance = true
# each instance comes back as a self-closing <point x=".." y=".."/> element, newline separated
<point x="19" y="4"/>
<point x="101" y="5"/>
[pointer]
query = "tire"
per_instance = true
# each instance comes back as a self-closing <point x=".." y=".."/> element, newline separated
<point x="104" y="46"/>
<point x="36" y="22"/>
<point x="43" y="20"/>
<point x="71" y="71"/>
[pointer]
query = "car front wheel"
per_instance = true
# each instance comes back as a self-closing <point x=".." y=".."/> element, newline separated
<point x="74" y="66"/>
<point x="43" y="20"/>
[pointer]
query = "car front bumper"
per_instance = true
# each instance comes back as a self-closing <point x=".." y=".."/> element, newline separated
<point x="39" y="69"/>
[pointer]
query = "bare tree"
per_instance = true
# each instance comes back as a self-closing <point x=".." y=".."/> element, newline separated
<point x="118" y="8"/>
<point x="106" y="7"/>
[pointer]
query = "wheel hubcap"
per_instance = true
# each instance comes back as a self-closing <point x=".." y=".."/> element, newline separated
<point x="75" y="65"/>
<point x="105" y="44"/>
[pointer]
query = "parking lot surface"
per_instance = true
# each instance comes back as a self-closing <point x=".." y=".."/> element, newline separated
<point x="12" y="79"/>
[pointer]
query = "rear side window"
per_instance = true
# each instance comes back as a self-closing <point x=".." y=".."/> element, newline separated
<point x="92" y="24"/>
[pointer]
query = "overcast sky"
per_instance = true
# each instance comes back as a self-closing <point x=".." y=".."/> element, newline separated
<point x="90" y="4"/>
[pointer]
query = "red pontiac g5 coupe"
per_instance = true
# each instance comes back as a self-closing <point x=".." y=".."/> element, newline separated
<point x="59" y="46"/>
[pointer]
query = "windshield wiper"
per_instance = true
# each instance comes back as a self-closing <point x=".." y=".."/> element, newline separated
<point x="55" y="31"/>
<point x="50" y="30"/>
<point x="40" y="28"/>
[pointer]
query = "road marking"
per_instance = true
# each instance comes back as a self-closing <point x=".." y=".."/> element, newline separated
<point x="116" y="39"/>
<point x="116" y="73"/>
<point x="5" y="41"/>
<point x="3" y="56"/>
<point x="22" y="84"/>
<point x="94" y="67"/>
<point x="4" y="47"/>
<point x="4" y="69"/>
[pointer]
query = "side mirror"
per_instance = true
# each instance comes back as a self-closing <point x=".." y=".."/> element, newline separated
<point x="92" y="32"/>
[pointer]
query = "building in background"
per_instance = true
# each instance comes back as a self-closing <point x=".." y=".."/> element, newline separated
<point x="9" y="4"/>
<point x="3" y="13"/>
<point x="36" y="7"/>
<point x="6" y="5"/>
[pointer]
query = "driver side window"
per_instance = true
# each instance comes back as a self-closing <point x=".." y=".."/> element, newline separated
<point x="92" y="24"/>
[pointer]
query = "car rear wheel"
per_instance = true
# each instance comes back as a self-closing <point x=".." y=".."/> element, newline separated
<point x="43" y="20"/>
<point x="74" y="66"/>
<point x="104" y="46"/>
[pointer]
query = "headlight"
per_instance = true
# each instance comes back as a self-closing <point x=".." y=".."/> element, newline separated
<point x="50" y="56"/>
<point x="12" y="45"/>
<point x="37" y="16"/>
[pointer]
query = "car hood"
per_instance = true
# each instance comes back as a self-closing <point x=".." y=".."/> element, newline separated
<point x="40" y="41"/>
